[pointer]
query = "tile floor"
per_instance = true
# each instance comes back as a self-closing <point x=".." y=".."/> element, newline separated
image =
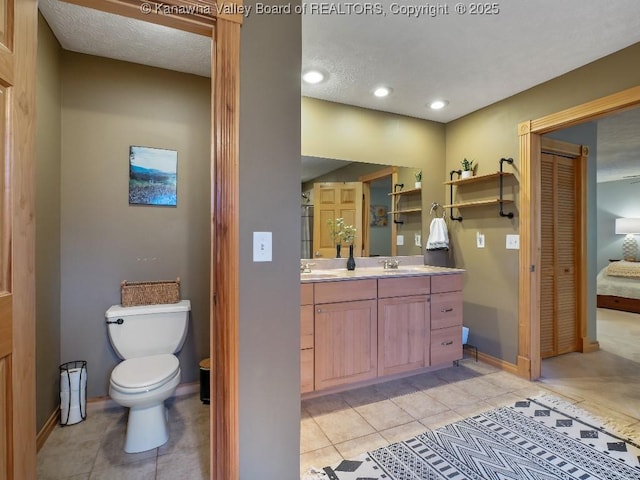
<point x="92" y="450"/>
<point x="606" y="382"/>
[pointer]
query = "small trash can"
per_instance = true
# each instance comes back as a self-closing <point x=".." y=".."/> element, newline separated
<point x="73" y="392"/>
<point x="205" y="375"/>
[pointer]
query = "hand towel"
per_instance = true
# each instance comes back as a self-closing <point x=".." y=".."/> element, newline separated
<point x="438" y="235"/>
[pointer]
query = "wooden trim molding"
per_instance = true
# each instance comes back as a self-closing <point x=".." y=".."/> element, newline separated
<point x="496" y="362"/>
<point x="529" y="361"/>
<point x="47" y="428"/>
<point x="224" y="254"/>
<point x="195" y="16"/>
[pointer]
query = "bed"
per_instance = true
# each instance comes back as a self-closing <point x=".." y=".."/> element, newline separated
<point x="618" y="286"/>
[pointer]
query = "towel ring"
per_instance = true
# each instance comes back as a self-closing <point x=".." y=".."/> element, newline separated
<point x="434" y="208"/>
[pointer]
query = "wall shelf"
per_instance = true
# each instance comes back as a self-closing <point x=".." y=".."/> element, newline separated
<point x="397" y="195"/>
<point x="500" y="201"/>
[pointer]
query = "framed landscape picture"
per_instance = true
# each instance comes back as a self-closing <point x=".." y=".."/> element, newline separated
<point x="153" y="176"/>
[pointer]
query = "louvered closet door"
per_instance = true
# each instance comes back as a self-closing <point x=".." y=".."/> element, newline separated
<point x="558" y="322"/>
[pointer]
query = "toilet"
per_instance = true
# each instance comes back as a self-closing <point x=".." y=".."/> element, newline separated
<point x="146" y="339"/>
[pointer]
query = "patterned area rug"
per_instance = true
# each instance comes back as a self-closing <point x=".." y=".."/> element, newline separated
<point x="532" y="439"/>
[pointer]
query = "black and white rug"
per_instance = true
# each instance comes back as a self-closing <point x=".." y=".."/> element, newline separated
<point x="531" y="439"/>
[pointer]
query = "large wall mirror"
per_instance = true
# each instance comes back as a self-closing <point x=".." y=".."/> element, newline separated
<point x="378" y="227"/>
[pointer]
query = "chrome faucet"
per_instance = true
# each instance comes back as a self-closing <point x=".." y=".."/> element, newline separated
<point x="388" y="263"/>
<point x="305" y="267"/>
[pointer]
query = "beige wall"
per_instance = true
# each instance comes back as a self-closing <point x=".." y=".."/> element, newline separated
<point x="107" y="106"/>
<point x="491" y="293"/>
<point x="48" y="143"/>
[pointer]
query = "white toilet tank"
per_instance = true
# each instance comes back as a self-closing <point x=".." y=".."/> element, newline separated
<point x="148" y="329"/>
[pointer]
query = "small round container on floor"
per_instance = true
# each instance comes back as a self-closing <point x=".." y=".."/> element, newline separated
<point x="205" y="375"/>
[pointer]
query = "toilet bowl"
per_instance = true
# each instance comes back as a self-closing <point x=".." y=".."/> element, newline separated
<point x="146" y="338"/>
<point x="143" y="384"/>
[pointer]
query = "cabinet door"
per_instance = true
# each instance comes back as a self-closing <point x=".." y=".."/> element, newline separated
<point x="403" y="334"/>
<point x="345" y="343"/>
<point x="306" y="370"/>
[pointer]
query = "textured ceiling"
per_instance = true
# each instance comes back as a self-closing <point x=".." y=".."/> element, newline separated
<point x="84" y="30"/>
<point x="470" y="60"/>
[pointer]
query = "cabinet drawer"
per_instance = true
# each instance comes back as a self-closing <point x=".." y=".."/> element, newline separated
<point x="446" y="283"/>
<point x="306" y="294"/>
<point x="446" y="310"/>
<point x="306" y="370"/>
<point x="344" y="291"/>
<point x="403" y="286"/>
<point x="306" y="326"/>
<point x="446" y="345"/>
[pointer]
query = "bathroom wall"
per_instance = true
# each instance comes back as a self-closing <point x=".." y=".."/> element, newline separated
<point x="48" y="144"/>
<point x="491" y="280"/>
<point x="108" y="105"/>
<point x="269" y="315"/>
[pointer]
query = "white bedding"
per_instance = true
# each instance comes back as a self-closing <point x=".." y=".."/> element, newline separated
<point x="617" y="286"/>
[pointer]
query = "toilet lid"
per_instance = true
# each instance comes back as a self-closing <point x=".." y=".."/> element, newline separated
<point x="145" y="373"/>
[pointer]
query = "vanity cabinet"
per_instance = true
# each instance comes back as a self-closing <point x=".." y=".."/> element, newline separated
<point x="403" y="324"/>
<point x="306" y="338"/>
<point x="345" y="332"/>
<point x="446" y="319"/>
<point x="357" y="330"/>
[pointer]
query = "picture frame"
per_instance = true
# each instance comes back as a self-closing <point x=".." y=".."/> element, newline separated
<point x="153" y="176"/>
<point x="378" y="216"/>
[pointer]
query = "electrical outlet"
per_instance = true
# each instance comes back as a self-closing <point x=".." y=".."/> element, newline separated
<point x="513" y="242"/>
<point x="480" y="240"/>
<point x="418" y="239"/>
<point x="400" y="240"/>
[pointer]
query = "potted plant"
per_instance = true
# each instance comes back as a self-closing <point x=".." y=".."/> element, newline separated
<point x="468" y="168"/>
<point x="418" y="183"/>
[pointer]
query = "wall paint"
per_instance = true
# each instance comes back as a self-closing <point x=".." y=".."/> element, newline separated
<point x="48" y="146"/>
<point x="486" y="136"/>
<point x="107" y="106"/>
<point x="615" y="200"/>
<point x="269" y="335"/>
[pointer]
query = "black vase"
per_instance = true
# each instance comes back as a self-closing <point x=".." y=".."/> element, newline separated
<point x="351" y="262"/>
<point x="338" y="250"/>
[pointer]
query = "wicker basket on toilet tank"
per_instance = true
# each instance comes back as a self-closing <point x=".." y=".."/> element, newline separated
<point x="149" y="293"/>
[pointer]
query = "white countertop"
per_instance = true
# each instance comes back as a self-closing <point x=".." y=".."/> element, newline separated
<point x="338" y="274"/>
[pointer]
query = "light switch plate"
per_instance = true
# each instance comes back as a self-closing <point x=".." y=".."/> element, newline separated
<point x="480" y="239"/>
<point x="400" y="240"/>
<point x="262" y="242"/>
<point x="418" y="240"/>
<point x="513" y="242"/>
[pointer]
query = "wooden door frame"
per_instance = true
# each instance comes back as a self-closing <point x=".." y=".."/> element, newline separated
<point x="529" y="363"/>
<point x="366" y="191"/>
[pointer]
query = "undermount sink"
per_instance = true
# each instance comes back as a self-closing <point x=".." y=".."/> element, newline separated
<point x="313" y="274"/>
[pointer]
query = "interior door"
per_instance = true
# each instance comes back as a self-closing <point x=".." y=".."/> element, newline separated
<point x="559" y="328"/>
<point x="18" y="23"/>
<point x="333" y="200"/>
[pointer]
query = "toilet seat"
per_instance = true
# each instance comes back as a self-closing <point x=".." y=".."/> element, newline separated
<point x="142" y="374"/>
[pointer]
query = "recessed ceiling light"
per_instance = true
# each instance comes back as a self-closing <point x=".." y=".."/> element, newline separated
<point x="438" y="104"/>
<point x="382" y="92"/>
<point x="313" y="76"/>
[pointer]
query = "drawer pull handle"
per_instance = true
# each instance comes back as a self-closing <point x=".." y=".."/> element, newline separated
<point x="446" y="309"/>
<point x="319" y="310"/>
<point x="450" y="342"/>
